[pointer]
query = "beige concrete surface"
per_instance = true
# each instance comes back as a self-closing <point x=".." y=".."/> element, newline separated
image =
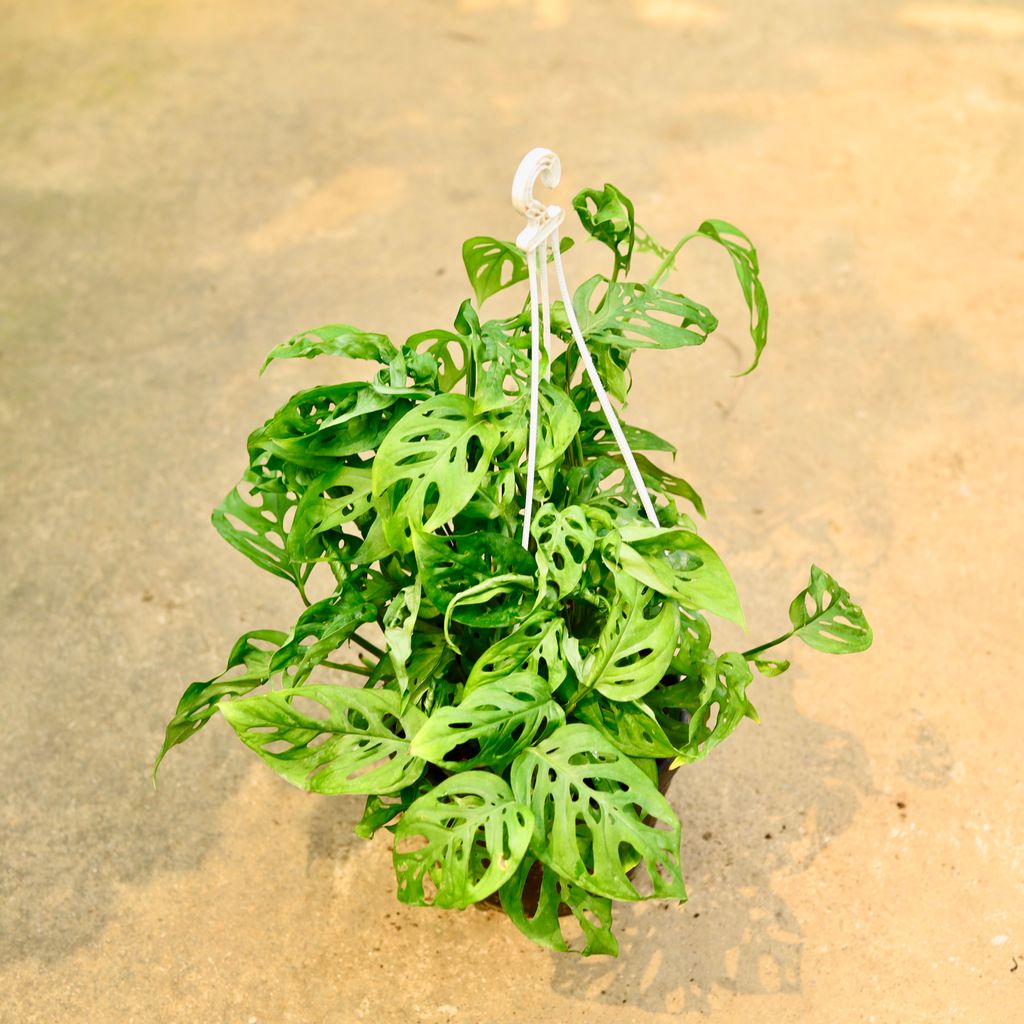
<point x="184" y="184"/>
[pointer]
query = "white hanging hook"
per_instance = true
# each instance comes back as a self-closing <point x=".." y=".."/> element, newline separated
<point x="543" y="165"/>
<point x="540" y="235"/>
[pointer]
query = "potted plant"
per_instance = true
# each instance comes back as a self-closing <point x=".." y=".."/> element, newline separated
<point x="522" y="707"/>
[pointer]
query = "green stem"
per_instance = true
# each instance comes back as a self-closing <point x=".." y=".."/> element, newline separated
<point x="666" y="264"/>
<point x="359" y="670"/>
<point x="367" y="646"/>
<point x="754" y="651"/>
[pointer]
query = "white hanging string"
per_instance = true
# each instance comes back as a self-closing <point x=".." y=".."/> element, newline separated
<point x="540" y="236"/>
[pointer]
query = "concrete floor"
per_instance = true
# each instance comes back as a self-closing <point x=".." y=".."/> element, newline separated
<point x="184" y="184"/>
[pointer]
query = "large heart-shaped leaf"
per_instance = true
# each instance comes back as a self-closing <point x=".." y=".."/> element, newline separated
<point x="252" y="653"/>
<point x="607" y="215"/>
<point x="592" y="807"/>
<point x="334" y="340"/>
<point x="252" y="520"/>
<point x="825" y="618"/>
<point x="460" y="842"/>
<point x="491" y="726"/>
<point x="636" y="643"/>
<point x="429" y="466"/>
<point x="346" y="741"/>
<point x="542" y="922"/>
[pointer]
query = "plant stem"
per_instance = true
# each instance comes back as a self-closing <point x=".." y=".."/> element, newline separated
<point x="666" y="264"/>
<point x="367" y="646"/>
<point x="359" y="670"/>
<point x="754" y="651"/>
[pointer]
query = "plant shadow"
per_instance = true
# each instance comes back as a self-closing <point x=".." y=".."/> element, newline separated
<point x="751" y="815"/>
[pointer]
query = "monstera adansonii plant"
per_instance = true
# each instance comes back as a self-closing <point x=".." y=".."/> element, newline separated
<point x="515" y="702"/>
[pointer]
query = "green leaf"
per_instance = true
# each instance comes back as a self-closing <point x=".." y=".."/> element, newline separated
<point x="680" y="564"/>
<point x="493" y="265"/>
<point x="460" y="842"/>
<point x="592" y="807"/>
<point x="744" y="260"/>
<point x="630" y="725"/>
<point x="632" y="315"/>
<point x="770" y="668"/>
<point x="320" y="425"/>
<point x="491" y="726"/>
<point x="380" y="809"/>
<point x="322" y="628"/>
<point x="361" y="744"/>
<point x="399" y="625"/>
<point x="636" y="643"/>
<point x="565" y="542"/>
<point x="454" y="565"/>
<point x="200" y="700"/>
<point x="339" y="496"/>
<point x="660" y="480"/>
<point x="542" y="923"/>
<point x="334" y="340"/>
<point x="721" y="704"/>
<point x="598" y="438"/>
<point x="252" y="520"/>
<point x="607" y="215"/>
<point x="535" y="647"/>
<point x="825" y="617"/>
<point x="430" y="465"/>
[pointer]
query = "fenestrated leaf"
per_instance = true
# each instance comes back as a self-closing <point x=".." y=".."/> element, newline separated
<point x="200" y="700"/>
<point x="717" y="702"/>
<point x="493" y="265"/>
<point x="450" y="566"/>
<point x="500" y="601"/>
<point x="744" y="261"/>
<point x="322" y="628"/>
<point x="361" y="744"/>
<point x="770" y="668"/>
<point x="339" y="496"/>
<point x="607" y="215"/>
<point x="380" y="809"/>
<point x="399" y="625"/>
<point x="680" y="564"/>
<point x="334" y="340"/>
<point x="565" y="541"/>
<point x="589" y="803"/>
<point x="460" y="842"/>
<point x="658" y="479"/>
<point x="316" y="427"/>
<point x="630" y="725"/>
<point x="429" y="466"/>
<point x="636" y="643"/>
<point x="535" y="646"/>
<point x="598" y="438"/>
<point x="490" y="726"/>
<point x="825" y="618"/>
<point x="544" y="926"/>
<point x="252" y="520"/>
<point x="631" y="315"/>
